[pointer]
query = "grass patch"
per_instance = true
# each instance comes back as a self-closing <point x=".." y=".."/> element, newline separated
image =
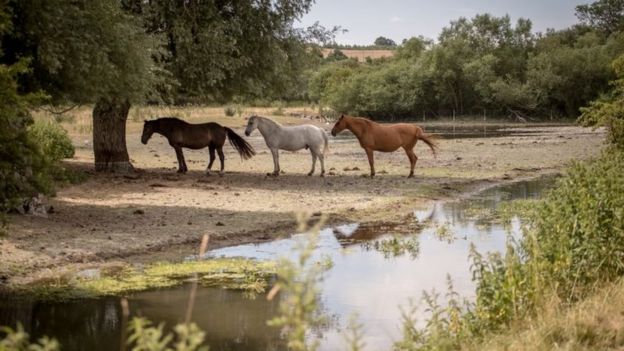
<point x="226" y="273"/>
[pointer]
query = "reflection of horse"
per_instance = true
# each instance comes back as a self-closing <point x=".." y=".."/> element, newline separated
<point x="293" y="138"/>
<point x="385" y="137"/>
<point x="196" y="136"/>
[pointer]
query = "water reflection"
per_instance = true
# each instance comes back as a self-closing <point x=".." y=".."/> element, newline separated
<point x="364" y="279"/>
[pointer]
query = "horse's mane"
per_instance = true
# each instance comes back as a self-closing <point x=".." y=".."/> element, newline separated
<point x="268" y="119"/>
<point x="361" y="119"/>
<point x="168" y="119"/>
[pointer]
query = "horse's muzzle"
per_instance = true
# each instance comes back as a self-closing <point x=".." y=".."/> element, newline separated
<point x="333" y="133"/>
<point x="247" y="133"/>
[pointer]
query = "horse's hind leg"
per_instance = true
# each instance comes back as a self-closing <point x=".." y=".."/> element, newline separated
<point x="211" y="150"/>
<point x="412" y="158"/>
<point x="222" y="159"/>
<point x="181" y="163"/>
<point x="321" y="157"/>
<point x="313" y="162"/>
<point x="276" y="167"/>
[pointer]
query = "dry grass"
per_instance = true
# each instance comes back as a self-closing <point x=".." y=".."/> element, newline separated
<point x="78" y="121"/>
<point x="361" y="55"/>
<point x="596" y="323"/>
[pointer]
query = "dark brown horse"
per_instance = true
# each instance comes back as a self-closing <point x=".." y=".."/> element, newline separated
<point x="196" y="136"/>
<point x="385" y="137"/>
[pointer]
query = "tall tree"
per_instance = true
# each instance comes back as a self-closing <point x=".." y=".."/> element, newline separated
<point x="85" y="52"/>
<point x="606" y="15"/>
<point x="224" y="48"/>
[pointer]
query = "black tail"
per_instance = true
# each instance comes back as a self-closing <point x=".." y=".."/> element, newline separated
<point x="244" y="149"/>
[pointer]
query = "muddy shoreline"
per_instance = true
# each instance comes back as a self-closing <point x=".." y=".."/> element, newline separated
<point x="158" y="215"/>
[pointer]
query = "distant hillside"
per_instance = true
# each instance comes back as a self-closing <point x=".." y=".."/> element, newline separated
<point x="361" y="54"/>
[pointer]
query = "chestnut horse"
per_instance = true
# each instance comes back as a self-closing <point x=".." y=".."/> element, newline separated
<point x="385" y="138"/>
<point x="196" y="136"/>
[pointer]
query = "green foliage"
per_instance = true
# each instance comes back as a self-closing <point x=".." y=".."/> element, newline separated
<point x="573" y="243"/>
<point x="606" y="15"/>
<point x="229" y="111"/>
<point x="18" y="340"/>
<point x="336" y="55"/>
<point x="219" y="51"/>
<point x="23" y="166"/>
<point x="82" y="50"/>
<point x="143" y="336"/>
<point x="484" y="63"/>
<point x="297" y="282"/>
<point x="609" y="110"/>
<point x="383" y="41"/>
<point x="53" y="140"/>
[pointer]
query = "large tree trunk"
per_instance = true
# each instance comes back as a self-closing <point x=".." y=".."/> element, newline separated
<point x="109" y="136"/>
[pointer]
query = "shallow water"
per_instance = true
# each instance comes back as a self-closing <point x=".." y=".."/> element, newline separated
<point x="365" y="280"/>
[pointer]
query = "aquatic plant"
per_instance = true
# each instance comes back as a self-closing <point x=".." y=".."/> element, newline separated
<point x="227" y="273"/>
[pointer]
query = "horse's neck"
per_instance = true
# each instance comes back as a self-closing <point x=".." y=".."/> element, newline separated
<point x="268" y="127"/>
<point x="357" y="126"/>
<point x="163" y="130"/>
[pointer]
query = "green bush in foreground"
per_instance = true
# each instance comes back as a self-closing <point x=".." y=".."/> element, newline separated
<point x="574" y="242"/>
<point x="52" y="139"/>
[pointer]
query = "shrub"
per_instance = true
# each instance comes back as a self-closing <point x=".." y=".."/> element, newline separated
<point x="23" y="167"/>
<point x="609" y="110"/>
<point x="52" y="139"/>
<point x="229" y="111"/>
<point x="573" y="242"/>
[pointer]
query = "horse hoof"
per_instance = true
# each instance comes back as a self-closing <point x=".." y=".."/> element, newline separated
<point x="410" y="176"/>
<point x="309" y="174"/>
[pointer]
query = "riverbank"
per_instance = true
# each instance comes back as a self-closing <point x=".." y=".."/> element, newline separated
<point x="158" y="215"/>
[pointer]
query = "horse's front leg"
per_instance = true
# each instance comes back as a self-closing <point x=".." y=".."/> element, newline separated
<point x="371" y="161"/>
<point x="313" y="162"/>
<point x="276" y="167"/>
<point x="222" y="160"/>
<point x="211" y="151"/>
<point x="181" y="163"/>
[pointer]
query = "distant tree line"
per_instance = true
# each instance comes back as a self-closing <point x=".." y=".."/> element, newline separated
<point x="483" y="65"/>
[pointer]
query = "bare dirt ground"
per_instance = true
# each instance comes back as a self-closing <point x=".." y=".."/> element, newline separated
<point x="158" y="214"/>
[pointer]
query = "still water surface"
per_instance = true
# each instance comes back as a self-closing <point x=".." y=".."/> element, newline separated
<point x="364" y="280"/>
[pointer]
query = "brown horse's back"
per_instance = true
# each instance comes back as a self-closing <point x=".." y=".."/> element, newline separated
<point x="195" y="136"/>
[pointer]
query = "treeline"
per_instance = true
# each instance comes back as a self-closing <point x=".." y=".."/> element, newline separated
<point x="482" y="65"/>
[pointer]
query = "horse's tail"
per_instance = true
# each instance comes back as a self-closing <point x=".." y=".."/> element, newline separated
<point x="430" y="140"/>
<point x="326" y="140"/>
<point x="244" y="149"/>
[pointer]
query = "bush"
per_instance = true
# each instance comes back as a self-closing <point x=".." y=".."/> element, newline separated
<point x="609" y="110"/>
<point x="229" y="111"/>
<point x="23" y="167"/>
<point x="573" y="242"/>
<point x="52" y="139"/>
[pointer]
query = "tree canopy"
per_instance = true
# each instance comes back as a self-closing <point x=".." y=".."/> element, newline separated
<point x="485" y="64"/>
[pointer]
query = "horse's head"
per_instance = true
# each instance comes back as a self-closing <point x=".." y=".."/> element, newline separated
<point x="339" y="126"/>
<point x="252" y="124"/>
<point x="148" y="130"/>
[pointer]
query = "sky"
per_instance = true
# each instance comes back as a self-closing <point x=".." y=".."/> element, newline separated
<point x="366" y="20"/>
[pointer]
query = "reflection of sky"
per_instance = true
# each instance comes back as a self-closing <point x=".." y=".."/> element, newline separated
<point x="364" y="282"/>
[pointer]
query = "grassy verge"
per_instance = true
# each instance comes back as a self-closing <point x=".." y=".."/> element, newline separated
<point x="228" y="273"/>
<point x="545" y="285"/>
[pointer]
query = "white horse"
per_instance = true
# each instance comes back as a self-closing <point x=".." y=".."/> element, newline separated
<point x="293" y="138"/>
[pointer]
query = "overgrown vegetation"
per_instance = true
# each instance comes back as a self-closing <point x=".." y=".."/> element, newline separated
<point x="237" y="274"/>
<point x="298" y="284"/>
<point x="484" y="65"/>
